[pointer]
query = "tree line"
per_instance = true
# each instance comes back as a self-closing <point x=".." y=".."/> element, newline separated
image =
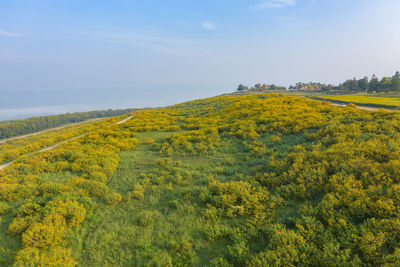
<point x="386" y="84"/>
<point x="20" y="127"/>
<point x="367" y="85"/>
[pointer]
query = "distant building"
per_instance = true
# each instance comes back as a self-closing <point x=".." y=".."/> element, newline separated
<point x="261" y="86"/>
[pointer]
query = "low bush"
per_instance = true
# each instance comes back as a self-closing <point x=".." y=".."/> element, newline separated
<point x="4" y="207"/>
<point x="113" y="198"/>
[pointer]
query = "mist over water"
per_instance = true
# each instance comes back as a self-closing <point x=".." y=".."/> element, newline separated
<point x="24" y="104"/>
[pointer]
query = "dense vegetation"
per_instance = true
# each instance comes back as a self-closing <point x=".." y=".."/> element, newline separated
<point x="13" y="148"/>
<point x="252" y="180"/>
<point x="35" y="124"/>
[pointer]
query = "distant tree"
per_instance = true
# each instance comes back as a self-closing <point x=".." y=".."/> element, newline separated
<point x="363" y="84"/>
<point x="260" y="86"/>
<point x="385" y="84"/>
<point x="351" y="85"/>
<point x="326" y="88"/>
<point x="299" y="85"/>
<point x="241" y="88"/>
<point x="374" y="84"/>
<point x="396" y="82"/>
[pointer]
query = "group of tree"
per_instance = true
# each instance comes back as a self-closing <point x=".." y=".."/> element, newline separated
<point x="386" y="84"/>
<point x="311" y="86"/>
<point x="20" y="127"/>
<point x="261" y="87"/>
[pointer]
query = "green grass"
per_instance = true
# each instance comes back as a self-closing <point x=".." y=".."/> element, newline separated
<point x="119" y="237"/>
<point x="9" y="244"/>
<point x="167" y="225"/>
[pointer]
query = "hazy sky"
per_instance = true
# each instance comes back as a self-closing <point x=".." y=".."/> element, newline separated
<point x="83" y="54"/>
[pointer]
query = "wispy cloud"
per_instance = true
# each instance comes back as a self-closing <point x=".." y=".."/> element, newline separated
<point x="161" y="41"/>
<point x="275" y="4"/>
<point x="141" y="38"/>
<point x="209" y="25"/>
<point x="9" y="34"/>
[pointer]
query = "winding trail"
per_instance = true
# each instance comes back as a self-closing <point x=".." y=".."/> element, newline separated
<point x="125" y="120"/>
<point x="5" y="165"/>
<point x="48" y="130"/>
<point x="39" y="151"/>
<point x="360" y="107"/>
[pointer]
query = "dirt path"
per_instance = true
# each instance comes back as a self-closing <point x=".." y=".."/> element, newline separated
<point x="6" y="165"/>
<point x="55" y="145"/>
<point x="359" y="107"/>
<point x="47" y="130"/>
<point x="125" y="120"/>
<point x="368" y="108"/>
<point x="42" y="150"/>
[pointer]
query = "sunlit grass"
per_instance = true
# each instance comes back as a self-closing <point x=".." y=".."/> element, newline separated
<point x="386" y="101"/>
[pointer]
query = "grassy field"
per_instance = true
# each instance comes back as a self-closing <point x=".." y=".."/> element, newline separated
<point x="366" y="100"/>
<point x="384" y="99"/>
<point x="166" y="226"/>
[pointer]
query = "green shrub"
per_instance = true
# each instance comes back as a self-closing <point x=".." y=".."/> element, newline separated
<point x="182" y="250"/>
<point x="69" y="213"/>
<point x="172" y="128"/>
<point x="113" y="198"/>
<point x="275" y="139"/>
<point x="138" y="192"/>
<point x="93" y="187"/>
<point x="220" y="262"/>
<point x="149" y="140"/>
<point x="99" y="176"/>
<point x="54" y="257"/>
<point x="28" y="209"/>
<point x="145" y="218"/>
<point x="174" y="204"/>
<point x="43" y="236"/>
<point x="4" y="207"/>
<point x="162" y="258"/>
<point x="20" y="224"/>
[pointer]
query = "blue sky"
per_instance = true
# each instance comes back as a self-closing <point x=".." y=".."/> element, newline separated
<point x="66" y="55"/>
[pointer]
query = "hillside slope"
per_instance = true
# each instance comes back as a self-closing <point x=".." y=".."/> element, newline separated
<point x="234" y="180"/>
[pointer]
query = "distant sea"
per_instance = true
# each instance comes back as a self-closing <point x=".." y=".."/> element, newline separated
<point x="23" y="104"/>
